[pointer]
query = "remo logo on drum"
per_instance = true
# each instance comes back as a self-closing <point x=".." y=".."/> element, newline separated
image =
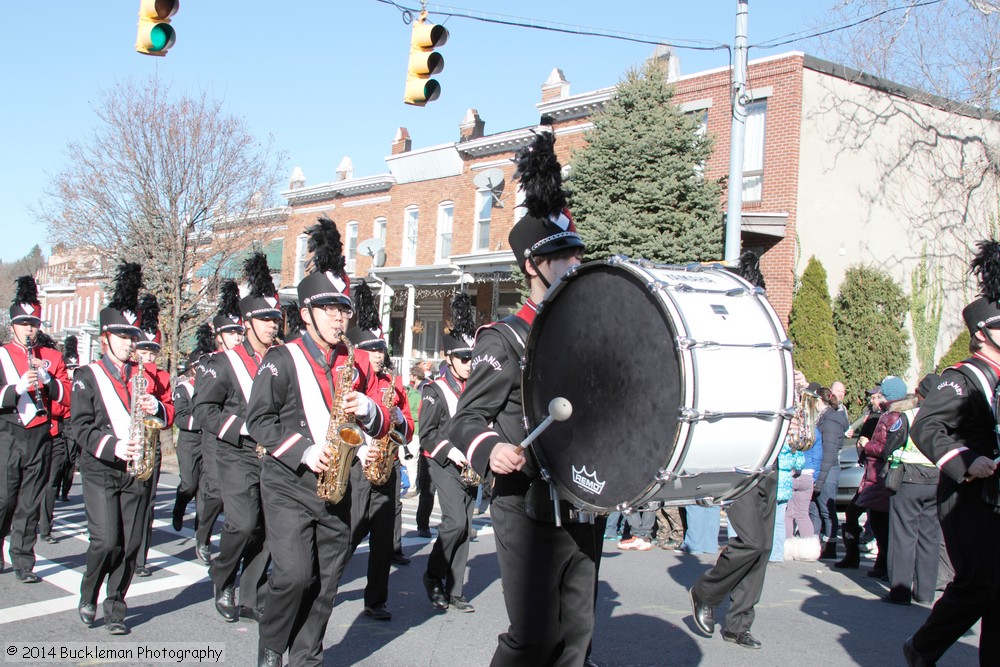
<point x="587" y="480"/>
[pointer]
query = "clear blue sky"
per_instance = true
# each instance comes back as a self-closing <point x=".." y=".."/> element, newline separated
<point x="326" y="77"/>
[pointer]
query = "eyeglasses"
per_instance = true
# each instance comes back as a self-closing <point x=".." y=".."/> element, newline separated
<point x="336" y="309"/>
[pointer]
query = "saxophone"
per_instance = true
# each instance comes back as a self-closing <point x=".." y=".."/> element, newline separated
<point x="142" y="427"/>
<point x="343" y="436"/>
<point x="470" y="477"/>
<point x="380" y="469"/>
<point x="806" y="412"/>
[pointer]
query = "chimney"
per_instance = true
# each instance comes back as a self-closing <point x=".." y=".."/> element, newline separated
<point x="556" y="87"/>
<point x="298" y="179"/>
<point x="471" y="127"/>
<point x="671" y="63"/>
<point x="345" y="170"/>
<point x="401" y="143"/>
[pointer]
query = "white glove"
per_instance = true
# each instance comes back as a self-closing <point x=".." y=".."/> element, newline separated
<point x="121" y="450"/>
<point x="397" y="416"/>
<point x="243" y="429"/>
<point x="457" y="457"/>
<point x="311" y="456"/>
<point x="22" y="385"/>
<point x="364" y="407"/>
<point x="363" y="454"/>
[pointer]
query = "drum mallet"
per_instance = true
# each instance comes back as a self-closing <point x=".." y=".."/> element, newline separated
<point x="560" y="410"/>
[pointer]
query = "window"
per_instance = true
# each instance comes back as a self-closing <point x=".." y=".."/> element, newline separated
<point x="411" y="218"/>
<point x="753" y="152"/>
<point x="351" y="247"/>
<point x="300" y="257"/>
<point x="484" y="211"/>
<point x="446" y="210"/>
<point x="427" y="343"/>
<point x="379" y="229"/>
<point x="519" y="210"/>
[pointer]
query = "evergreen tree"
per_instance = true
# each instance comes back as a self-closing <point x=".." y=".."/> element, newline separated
<point x="869" y="315"/>
<point x="810" y="327"/>
<point x="958" y="351"/>
<point x="637" y="188"/>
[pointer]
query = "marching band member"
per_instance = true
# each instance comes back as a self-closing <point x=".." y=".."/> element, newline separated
<point x="30" y="381"/>
<point x="60" y="454"/>
<point x="373" y="506"/>
<point x="71" y="357"/>
<point x="221" y="409"/>
<point x="444" y="579"/>
<point x="228" y="336"/>
<point x="548" y="572"/>
<point x="148" y="347"/>
<point x="189" y="435"/>
<point x="108" y="420"/>
<point x="297" y="389"/>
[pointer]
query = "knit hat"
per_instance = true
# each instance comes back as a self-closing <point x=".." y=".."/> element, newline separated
<point x="893" y="388"/>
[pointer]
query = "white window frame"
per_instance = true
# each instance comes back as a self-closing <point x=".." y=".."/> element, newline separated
<point x="350" y="246"/>
<point x="411" y="234"/>
<point x="380" y="227"/>
<point x="301" y="242"/>
<point x="484" y="200"/>
<point x="753" y="151"/>
<point x="445" y="225"/>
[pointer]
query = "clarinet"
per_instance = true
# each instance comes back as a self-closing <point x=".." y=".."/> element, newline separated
<point x="36" y="388"/>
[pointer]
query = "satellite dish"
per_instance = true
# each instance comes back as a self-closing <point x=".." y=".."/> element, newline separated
<point x="374" y="248"/>
<point x="492" y="180"/>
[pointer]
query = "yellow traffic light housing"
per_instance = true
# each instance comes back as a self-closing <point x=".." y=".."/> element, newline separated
<point x="424" y="61"/>
<point x="156" y="36"/>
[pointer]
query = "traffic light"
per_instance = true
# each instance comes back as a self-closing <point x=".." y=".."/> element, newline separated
<point x="155" y="35"/>
<point x="424" y="61"/>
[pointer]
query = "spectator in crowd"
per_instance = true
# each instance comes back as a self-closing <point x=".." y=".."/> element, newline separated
<point x="640" y="526"/>
<point x="669" y="527"/>
<point x="789" y="467"/>
<point x="832" y="424"/>
<point x="809" y="453"/>
<point x="914" y="529"/>
<point x="702" y="536"/>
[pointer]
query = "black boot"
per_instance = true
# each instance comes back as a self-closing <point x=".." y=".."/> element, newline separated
<point x="852" y="557"/>
<point x="829" y="550"/>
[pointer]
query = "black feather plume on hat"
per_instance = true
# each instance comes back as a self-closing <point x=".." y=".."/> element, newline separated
<point x="365" y="308"/>
<point x="326" y="247"/>
<point x="149" y="313"/>
<point x="463" y="316"/>
<point x="541" y="175"/>
<point x="204" y="340"/>
<point x="128" y="282"/>
<point x="26" y="290"/>
<point x="70" y="348"/>
<point x="986" y="267"/>
<point x="748" y="268"/>
<point x="293" y="320"/>
<point x="42" y="339"/>
<point x="258" y="276"/>
<point x="229" y="299"/>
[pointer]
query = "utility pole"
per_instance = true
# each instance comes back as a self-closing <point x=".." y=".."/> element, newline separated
<point x="737" y="137"/>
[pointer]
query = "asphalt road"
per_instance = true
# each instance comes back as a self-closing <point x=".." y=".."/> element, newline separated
<point x="810" y="613"/>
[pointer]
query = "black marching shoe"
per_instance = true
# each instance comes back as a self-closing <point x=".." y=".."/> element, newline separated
<point x="88" y="612"/>
<point x="177" y="519"/>
<point x="27" y="576"/>
<point x="48" y="539"/>
<point x="268" y="658"/>
<point x="251" y="614"/>
<point x="435" y="592"/>
<point x="400" y="559"/>
<point x="378" y="612"/>
<point x="704" y="616"/>
<point x="204" y="553"/>
<point x="225" y="604"/>
<point x="142" y="571"/>
<point x="744" y="639"/>
<point x="116" y="627"/>
<point x="914" y="659"/>
<point x="459" y="603"/>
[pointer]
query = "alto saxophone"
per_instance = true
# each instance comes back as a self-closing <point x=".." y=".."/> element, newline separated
<point x="379" y="470"/>
<point x="470" y="477"/>
<point x="142" y="427"/>
<point x="343" y="436"/>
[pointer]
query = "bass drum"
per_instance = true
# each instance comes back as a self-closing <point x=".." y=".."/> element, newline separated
<point x="680" y="380"/>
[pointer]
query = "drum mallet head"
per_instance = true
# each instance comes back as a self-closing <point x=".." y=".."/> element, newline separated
<point x="560" y="410"/>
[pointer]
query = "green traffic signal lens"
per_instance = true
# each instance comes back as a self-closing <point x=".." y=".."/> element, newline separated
<point x="161" y="37"/>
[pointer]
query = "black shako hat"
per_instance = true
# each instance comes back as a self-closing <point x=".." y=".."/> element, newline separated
<point x="149" y="324"/>
<point x="460" y="339"/>
<point x="262" y="300"/>
<point x="26" y="309"/>
<point x="228" y="316"/>
<point x="984" y="312"/>
<point x="367" y="332"/>
<point x="547" y="226"/>
<point x="121" y="316"/>
<point x="326" y="283"/>
<point x="204" y="344"/>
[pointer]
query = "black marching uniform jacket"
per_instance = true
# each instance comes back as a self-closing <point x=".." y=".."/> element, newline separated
<point x="189" y="431"/>
<point x="438" y="403"/>
<point x="223" y="394"/>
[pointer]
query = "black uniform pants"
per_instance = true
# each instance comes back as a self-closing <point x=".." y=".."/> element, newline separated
<point x="310" y="544"/>
<point x="373" y="513"/>
<point x="189" y="468"/>
<point x="739" y="571"/>
<point x="147" y="523"/>
<point x="972" y="533"/>
<point x="116" y="511"/>
<point x="65" y="482"/>
<point x="209" y="491"/>
<point x="60" y="460"/>
<point x="397" y="528"/>
<point x="548" y="582"/>
<point x="243" y="537"/>
<point x="450" y="552"/>
<point x="24" y="471"/>
<point x="914" y="541"/>
<point x="426" y="489"/>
